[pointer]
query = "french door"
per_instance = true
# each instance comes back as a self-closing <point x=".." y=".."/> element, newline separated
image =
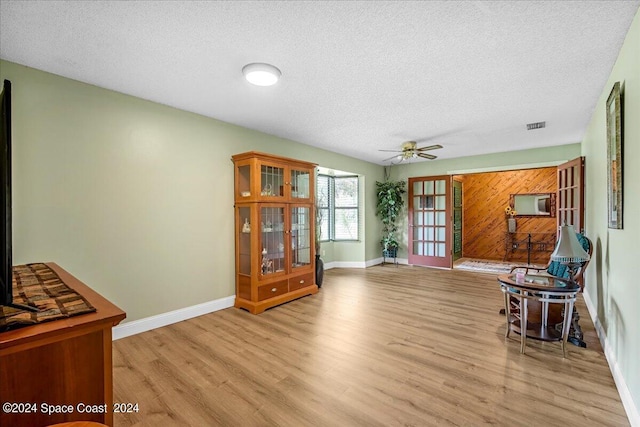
<point x="570" y="198"/>
<point x="430" y="221"/>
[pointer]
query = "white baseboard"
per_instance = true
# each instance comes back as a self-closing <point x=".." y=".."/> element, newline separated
<point x="373" y="262"/>
<point x="362" y="264"/>
<point x="344" y="264"/>
<point x="623" y="390"/>
<point x="164" y="319"/>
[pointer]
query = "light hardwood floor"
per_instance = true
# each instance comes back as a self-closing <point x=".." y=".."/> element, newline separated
<point x="381" y="346"/>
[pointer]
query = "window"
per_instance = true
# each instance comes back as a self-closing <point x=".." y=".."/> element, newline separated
<point x="338" y="211"/>
<point x="324" y="194"/>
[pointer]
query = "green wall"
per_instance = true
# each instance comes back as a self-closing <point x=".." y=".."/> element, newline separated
<point x="136" y="198"/>
<point x="612" y="283"/>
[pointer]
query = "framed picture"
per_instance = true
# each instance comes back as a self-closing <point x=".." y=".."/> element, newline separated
<point x="614" y="157"/>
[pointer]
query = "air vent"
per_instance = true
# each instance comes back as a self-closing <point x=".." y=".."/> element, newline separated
<point x="537" y="125"/>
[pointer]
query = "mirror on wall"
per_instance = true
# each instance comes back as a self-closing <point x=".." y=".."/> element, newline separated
<point x="534" y="204"/>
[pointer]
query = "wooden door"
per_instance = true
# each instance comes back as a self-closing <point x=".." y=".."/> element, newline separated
<point x="570" y="198"/>
<point x="430" y="221"/>
<point x="457" y="219"/>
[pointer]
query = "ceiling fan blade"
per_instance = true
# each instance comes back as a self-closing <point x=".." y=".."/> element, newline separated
<point x="427" y="156"/>
<point x="430" y="147"/>
<point x="392" y="151"/>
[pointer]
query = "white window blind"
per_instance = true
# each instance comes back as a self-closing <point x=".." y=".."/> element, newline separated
<point x="338" y="208"/>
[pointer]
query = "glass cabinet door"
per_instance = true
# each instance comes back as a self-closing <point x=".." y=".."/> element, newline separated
<point x="272" y="240"/>
<point x="300" y="184"/>
<point x="271" y="180"/>
<point x="300" y="236"/>
<point x="244" y="240"/>
<point x="243" y="180"/>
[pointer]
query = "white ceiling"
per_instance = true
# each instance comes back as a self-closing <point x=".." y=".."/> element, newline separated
<point x="356" y="76"/>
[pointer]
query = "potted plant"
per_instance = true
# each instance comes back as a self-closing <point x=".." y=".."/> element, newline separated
<point x="388" y="208"/>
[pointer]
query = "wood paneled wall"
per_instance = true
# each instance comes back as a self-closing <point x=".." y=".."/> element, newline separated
<point x="486" y="195"/>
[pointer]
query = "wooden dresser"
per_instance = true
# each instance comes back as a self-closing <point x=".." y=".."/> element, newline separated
<point x="63" y="362"/>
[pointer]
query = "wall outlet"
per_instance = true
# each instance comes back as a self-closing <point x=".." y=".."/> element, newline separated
<point x="323" y="252"/>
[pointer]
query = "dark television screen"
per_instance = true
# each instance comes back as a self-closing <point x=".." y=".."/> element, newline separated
<point x="6" y="294"/>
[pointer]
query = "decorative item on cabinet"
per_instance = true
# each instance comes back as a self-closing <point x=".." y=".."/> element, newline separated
<point x="266" y="191"/>
<point x="277" y="264"/>
<point x="265" y="262"/>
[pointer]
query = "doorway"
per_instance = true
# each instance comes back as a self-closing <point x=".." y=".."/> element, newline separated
<point x="474" y="212"/>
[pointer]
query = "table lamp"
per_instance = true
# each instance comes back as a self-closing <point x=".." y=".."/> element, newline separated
<point x="569" y="251"/>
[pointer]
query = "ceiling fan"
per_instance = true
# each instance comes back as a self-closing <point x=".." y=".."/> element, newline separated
<point x="410" y="150"/>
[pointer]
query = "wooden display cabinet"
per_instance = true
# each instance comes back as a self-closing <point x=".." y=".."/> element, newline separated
<point x="275" y="229"/>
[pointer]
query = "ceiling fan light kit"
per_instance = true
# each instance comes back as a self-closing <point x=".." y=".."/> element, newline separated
<point x="261" y="74"/>
<point x="409" y="150"/>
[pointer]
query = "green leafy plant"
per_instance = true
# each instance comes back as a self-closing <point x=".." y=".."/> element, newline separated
<point x="388" y="208"/>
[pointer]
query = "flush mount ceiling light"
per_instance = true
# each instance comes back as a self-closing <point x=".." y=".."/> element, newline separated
<point x="261" y="74"/>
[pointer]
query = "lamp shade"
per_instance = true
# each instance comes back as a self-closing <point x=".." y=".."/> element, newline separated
<point x="569" y="249"/>
<point x="261" y="74"/>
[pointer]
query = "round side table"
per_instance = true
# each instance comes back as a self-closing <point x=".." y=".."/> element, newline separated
<point x="546" y="290"/>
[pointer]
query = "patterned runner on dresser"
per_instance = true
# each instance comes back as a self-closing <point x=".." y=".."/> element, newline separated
<point x="37" y="285"/>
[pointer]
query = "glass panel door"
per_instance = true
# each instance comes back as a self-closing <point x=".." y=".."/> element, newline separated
<point x="300" y="236"/>
<point x="429" y="221"/>
<point x="571" y="194"/>
<point x="300" y="184"/>
<point x="272" y="240"/>
<point x="271" y="181"/>
<point x="244" y="240"/>
<point x="243" y="181"/>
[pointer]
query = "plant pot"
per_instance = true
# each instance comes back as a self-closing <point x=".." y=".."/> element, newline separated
<point x="390" y="253"/>
<point x="511" y="225"/>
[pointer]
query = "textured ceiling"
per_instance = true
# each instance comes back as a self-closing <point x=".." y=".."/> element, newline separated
<point x="356" y="76"/>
